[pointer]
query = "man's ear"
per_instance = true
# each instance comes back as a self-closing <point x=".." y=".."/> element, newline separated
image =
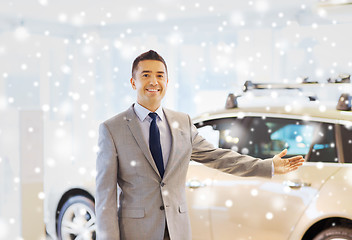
<point x="133" y="83"/>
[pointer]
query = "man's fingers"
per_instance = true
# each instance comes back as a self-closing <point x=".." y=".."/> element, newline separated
<point x="296" y="164"/>
<point x="293" y="169"/>
<point x="296" y="158"/>
<point x="283" y="153"/>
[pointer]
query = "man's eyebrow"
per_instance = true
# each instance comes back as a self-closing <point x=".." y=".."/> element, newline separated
<point x="148" y="71"/>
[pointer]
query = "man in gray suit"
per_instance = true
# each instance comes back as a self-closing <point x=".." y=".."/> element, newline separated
<point x="146" y="150"/>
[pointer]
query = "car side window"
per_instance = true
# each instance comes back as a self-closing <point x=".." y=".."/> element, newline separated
<point x="263" y="137"/>
<point x="324" y="145"/>
<point x="269" y="136"/>
<point x="346" y="134"/>
<point x="222" y="132"/>
<point x="207" y="131"/>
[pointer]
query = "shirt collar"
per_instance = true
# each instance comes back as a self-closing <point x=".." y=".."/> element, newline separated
<point x="142" y="112"/>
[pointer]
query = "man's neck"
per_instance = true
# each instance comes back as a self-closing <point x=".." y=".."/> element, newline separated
<point x="150" y="107"/>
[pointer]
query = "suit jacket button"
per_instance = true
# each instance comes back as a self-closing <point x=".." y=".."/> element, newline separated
<point x="162" y="184"/>
<point x="162" y="207"/>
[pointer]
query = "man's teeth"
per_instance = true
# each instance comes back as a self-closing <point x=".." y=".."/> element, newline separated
<point x="152" y="90"/>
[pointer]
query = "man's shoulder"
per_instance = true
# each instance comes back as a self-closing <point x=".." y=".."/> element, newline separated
<point x="177" y="118"/>
<point x="173" y="113"/>
<point x="120" y="118"/>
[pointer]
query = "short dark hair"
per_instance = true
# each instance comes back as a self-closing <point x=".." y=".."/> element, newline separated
<point x="150" y="55"/>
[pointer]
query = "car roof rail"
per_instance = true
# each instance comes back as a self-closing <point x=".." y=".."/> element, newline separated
<point x="342" y="78"/>
<point x="231" y="101"/>
<point x="344" y="103"/>
<point x="249" y="85"/>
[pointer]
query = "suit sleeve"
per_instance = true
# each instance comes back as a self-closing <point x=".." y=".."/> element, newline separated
<point x="106" y="187"/>
<point x="226" y="160"/>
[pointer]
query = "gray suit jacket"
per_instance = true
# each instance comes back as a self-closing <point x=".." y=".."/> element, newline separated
<point x="124" y="160"/>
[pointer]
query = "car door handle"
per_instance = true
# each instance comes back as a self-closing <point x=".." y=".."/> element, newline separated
<point x="194" y="183"/>
<point x="296" y="185"/>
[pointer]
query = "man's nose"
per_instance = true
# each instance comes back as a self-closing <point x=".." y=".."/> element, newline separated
<point x="153" y="81"/>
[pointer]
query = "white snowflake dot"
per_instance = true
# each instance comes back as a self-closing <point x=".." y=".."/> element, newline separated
<point x="269" y="216"/>
<point x="91" y="134"/>
<point x="50" y="162"/>
<point x="175" y="124"/>
<point x="82" y="211"/>
<point x="82" y="170"/>
<point x="161" y="17"/>
<point x="320" y="165"/>
<point x="43" y="2"/>
<point x="322" y="108"/>
<point x="245" y="151"/>
<point x="288" y="108"/>
<point x="45" y="107"/>
<point x="96" y="149"/>
<point x="24" y="66"/>
<point x="85" y="107"/>
<point x="21" y="34"/>
<point x="254" y="192"/>
<point x="228" y="203"/>
<point x="41" y="195"/>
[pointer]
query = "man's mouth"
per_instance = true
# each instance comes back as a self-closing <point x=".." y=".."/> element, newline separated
<point x="153" y="90"/>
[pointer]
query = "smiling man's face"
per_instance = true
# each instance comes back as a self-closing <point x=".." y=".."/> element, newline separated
<point x="150" y="81"/>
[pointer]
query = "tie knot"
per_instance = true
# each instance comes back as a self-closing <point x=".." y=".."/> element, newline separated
<point x="153" y="115"/>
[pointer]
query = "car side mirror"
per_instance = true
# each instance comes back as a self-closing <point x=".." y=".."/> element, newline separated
<point x="344" y="102"/>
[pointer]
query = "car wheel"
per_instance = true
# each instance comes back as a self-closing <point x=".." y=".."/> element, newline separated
<point x="338" y="233"/>
<point x="77" y="219"/>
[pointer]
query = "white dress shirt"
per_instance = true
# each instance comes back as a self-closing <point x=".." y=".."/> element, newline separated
<point x="164" y="129"/>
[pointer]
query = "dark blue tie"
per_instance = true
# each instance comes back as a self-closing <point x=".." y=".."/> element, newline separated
<point x="154" y="144"/>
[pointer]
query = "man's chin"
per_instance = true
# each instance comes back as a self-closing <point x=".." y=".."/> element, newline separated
<point x="153" y="99"/>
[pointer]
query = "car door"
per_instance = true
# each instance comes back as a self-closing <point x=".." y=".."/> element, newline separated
<point x="258" y="208"/>
<point x="199" y="198"/>
<point x="199" y="182"/>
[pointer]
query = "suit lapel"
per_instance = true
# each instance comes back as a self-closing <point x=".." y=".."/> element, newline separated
<point x="136" y="131"/>
<point x="175" y="131"/>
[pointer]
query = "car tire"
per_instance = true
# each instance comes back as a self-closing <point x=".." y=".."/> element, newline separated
<point x="335" y="233"/>
<point x="77" y="219"/>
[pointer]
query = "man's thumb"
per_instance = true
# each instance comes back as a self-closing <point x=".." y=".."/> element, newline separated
<point x="283" y="153"/>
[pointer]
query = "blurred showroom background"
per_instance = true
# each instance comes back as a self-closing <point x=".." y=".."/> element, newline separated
<point x="65" y="66"/>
